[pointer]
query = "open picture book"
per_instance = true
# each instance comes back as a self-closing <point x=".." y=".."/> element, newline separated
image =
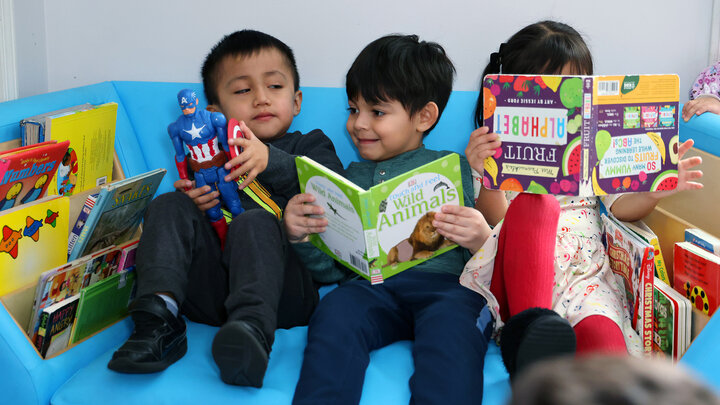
<point x="582" y="135"/>
<point x="386" y="229"/>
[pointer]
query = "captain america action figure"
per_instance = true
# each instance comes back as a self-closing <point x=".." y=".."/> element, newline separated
<point x="205" y="135"/>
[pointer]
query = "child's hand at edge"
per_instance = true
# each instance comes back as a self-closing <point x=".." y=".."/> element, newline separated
<point x="701" y="105"/>
<point x="203" y="198"/>
<point x="685" y="175"/>
<point x="481" y="145"/>
<point x="252" y="161"/>
<point x="298" y="220"/>
<point x="465" y="226"/>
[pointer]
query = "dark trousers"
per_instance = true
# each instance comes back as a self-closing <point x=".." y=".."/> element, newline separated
<point x="257" y="278"/>
<point x="432" y="309"/>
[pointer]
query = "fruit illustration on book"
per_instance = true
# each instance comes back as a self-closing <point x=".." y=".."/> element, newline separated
<point x="536" y="188"/>
<point x="489" y="103"/>
<point x="491" y="168"/>
<point x="667" y="180"/>
<point x="658" y="141"/>
<point x="511" y="184"/>
<point x="674" y="149"/>
<point x="602" y="143"/>
<point x="552" y="81"/>
<point x="597" y="190"/>
<point x="571" y="157"/>
<point x="571" y="93"/>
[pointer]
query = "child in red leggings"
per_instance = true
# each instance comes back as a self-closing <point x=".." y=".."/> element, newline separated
<point x="546" y="264"/>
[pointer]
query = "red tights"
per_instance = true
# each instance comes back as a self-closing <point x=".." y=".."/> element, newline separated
<point x="524" y="270"/>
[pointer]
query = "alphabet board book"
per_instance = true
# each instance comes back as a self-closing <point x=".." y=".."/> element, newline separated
<point x="117" y="213"/>
<point x="25" y="172"/>
<point x="582" y="135"/>
<point x="631" y="259"/>
<point x="34" y="237"/>
<point x="386" y="229"/>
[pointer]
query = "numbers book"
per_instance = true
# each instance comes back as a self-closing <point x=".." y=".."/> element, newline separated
<point x="696" y="274"/>
<point x="386" y="229"/>
<point x="117" y="213"/>
<point x="672" y="321"/>
<point x="88" y="161"/>
<point x="56" y="323"/>
<point x="582" y="135"/>
<point x="25" y="172"/>
<point x="631" y="259"/>
<point x="33" y="240"/>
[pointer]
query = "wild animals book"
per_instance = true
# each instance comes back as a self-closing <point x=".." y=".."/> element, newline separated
<point x="117" y="213"/>
<point x="88" y="161"/>
<point x="386" y="229"/>
<point x="56" y="323"/>
<point x="696" y="274"/>
<point x="33" y="240"/>
<point x="631" y="259"/>
<point x="25" y="172"/>
<point x="582" y="135"/>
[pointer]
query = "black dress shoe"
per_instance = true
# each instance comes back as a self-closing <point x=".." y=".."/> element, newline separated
<point x="157" y="341"/>
<point x="241" y="352"/>
<point x="534" y="335"/>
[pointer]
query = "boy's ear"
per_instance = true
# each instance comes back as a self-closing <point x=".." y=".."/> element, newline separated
<point x="427" y="116"/>
<point x="297" y="102"/>
<point x="212" y="108"/>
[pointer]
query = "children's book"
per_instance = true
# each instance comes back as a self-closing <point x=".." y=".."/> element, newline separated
<point x="33" y="240"/>
<point x="696" y="274"/>
<point x="25" y="172"/>
<point x="631" y="259"/>
<point x="127" y="255"/>
<point x="644" y="232"/>
<point x="386" y="229"/>
<point x="117" y="213"/>
<point x="703" y="239"/>
<point x="88" y="161"/>
<point x="56" y="323"/>
<point x="672" y="321"/>
<point x="33" y="128"/>
<point x="582" y="135"/>
<point x="80" y="222"/>
<point x="103" y="303"/>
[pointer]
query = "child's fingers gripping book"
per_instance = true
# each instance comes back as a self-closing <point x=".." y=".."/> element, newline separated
<point x="386" y="229"/>
<point x="582" y="135"/>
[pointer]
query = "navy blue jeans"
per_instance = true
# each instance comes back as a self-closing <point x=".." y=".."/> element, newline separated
<point x="432" y="309"/>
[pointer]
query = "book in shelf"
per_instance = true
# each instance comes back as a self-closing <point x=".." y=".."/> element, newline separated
<point x="102" y="304"/>
<point x="386" y="229"/>
<point x="703" y="239"/>
<point x="33" y="240"/>
<point x="644" y="232"/>
<point x="33" y="128"/>
<point x="631" y="259"/>
<point x="56" y="323"/>
<point x="672" y="321"/>
<point x="25" y="172"/>
<point x="80" y="221"/>
<point x="696" y="275"/>
<point x="88" y="161"/>
<point x="582" y="135"/>
<point x="117" y="213"/>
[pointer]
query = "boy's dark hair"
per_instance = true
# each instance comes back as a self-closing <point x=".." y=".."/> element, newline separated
<point x="399" y="67"/>
<point x="242" y="43"/>
<point x="541" y="48"/>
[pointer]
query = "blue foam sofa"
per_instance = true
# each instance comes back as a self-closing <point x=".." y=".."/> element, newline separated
<point x="80" y="376"/>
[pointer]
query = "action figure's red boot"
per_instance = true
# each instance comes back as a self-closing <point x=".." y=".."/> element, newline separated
<point x="221" y="228"/>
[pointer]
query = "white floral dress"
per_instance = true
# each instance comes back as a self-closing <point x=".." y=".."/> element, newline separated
<point x="584" y="283"/>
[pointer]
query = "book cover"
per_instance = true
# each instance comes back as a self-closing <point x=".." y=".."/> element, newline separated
<point x="80" y="222"/>
<point x="25" y="171"/>
<point x="696" y="275"/>
<point x="387" y="229"/>
<point x="33" y="240"/>
<point x="582" y="135"/>
<point x="672" y="321"/>
<point x="644" y="232"/>
<point x="127" y="255"/>
<point x="631" y="259"/>
<point x="88" y="162"/>
<point x="55" y="326"/>
<point x="703" y="239"/>
<point x="33" y="128"/>
<point x="117" y="213"/>
<point x="102" y="304"/>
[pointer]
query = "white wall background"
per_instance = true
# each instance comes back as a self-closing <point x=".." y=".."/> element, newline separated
<point x="69" y="43"/>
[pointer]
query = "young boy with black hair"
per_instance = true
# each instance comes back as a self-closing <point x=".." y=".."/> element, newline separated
<point x="256" y="283"/>
<point x="397" y="89"/>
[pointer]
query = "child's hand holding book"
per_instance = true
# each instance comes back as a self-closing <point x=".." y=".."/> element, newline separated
<point x="302" y="218"/>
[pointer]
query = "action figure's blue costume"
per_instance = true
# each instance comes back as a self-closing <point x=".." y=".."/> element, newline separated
<point x="204" y="132"/>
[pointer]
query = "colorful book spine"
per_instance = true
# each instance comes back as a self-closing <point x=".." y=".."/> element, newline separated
<point x="703" y="239"/>
<point x="55" y="326"/>
<point x="81" y="220"/>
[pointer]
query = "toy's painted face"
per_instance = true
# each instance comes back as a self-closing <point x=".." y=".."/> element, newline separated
<point x="188" y="101"/>
<point x="258" y="89"/>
